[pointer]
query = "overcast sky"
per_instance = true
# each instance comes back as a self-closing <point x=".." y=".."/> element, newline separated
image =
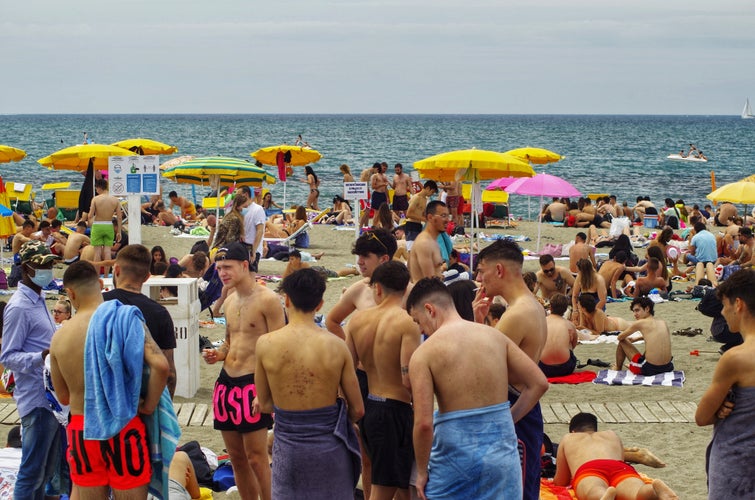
<point x="396" y="56"/>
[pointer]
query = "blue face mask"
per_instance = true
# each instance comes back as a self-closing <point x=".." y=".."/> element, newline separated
<point x="244" y="210"/>
<point x="42" y="277"/>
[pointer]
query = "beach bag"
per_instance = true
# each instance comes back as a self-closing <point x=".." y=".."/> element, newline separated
<point x="15" y="275"/>
<point x="617" y="226"/>
<point x="3" y="280"/>
<point x="223" y="478"/>
<point x="213" y="290"/>
<point x="198" y="459"/>
<point x="551" y="249"/>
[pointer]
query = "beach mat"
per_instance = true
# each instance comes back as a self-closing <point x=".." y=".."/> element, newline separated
<point x="574" y="378"/>
<point x="625" y="377"/>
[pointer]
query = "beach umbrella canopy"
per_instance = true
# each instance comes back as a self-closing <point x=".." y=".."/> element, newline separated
<point x="218" y="170"/>
<point x="538" y="156"/>
<point x="143" y="146"/>
<point x="735" y="192"/>
<point x="502" y="183"/>
<point x="472" y="165"/>
<point x="9" y="153"/>
<point x="299" y="155"/>
<point x="750" y="178"/>
<point x="543" y="185"/>
<point x="176" y="161"/>
<point x="79" y="157"/>
<point x="7" y="224"/>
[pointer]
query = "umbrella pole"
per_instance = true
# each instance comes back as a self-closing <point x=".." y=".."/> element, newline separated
<point x="539" y="225"/>
<point x="475" y="224"/>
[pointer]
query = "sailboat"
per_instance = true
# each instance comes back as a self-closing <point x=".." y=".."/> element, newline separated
<point x="747" y="111"/>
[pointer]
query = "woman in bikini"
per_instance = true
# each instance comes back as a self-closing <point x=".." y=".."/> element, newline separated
<point x="314" y="191"/>
<point x="587" y="282"/>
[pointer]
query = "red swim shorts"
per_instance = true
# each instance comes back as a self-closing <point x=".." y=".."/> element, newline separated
<point x="121" y="462"/>
<point x="611" y="471"/>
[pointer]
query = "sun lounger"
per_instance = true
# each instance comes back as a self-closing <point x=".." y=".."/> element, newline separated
<point x="290" y="241"/>
<point x="20" y="196"/>
<point x="67" y="201"/>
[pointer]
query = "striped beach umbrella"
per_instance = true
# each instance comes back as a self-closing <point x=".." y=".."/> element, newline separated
<point x="218" y="171"/>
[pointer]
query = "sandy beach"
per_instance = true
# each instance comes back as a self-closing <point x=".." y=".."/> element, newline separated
<point x="681" y="445"/>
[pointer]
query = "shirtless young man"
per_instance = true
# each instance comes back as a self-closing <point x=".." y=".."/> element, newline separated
<point x="101" y="212"/>
<point x="555" y="211"/>
<point x="453" y="200"/>
<point x="467" y="367"/>
<point x="644" y="284"/>
<point x="379" y="184"/>
<point x="612" y="271"/>
<point x="500" y="271"/>
<point x="657" y="358"/>
<point x="415" y="214"/>
<point x="250" y="312"/>
<point x="402" y="185"/>
<point x="592" y="462"/>
<point x="580" y="250"/>
<point x="93" y="469"/>
<point x="425" y="260"/>
<point x="383" y="338"/>
<point x="188" y="210"/>
<point x="302" y="402"/>
<point x="552" y="278"/>
<point x="165" y="216"/>
<point x="75" y="243"/>
<point x="22" y="236"/>
<point x="557" y="358"/>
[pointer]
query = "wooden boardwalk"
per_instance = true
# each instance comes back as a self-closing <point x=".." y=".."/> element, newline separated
<point x="200" y="415"/>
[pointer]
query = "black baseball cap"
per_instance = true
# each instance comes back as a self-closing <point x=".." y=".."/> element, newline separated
<point x="232" y="251"/>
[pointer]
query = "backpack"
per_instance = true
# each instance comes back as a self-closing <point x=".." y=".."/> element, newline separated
<point x="3" y="280"/>
<point x="199" y="461"/>
<point x="213" y="290"/>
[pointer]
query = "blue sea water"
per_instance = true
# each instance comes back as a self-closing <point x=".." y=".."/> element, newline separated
<point x="623" y="155"/>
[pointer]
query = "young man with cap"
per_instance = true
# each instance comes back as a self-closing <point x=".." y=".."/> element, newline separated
<point x="251" y="311"/>
<point x="27" y="332"/>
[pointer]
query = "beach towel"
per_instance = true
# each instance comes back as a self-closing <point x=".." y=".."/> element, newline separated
<point x="625" y="377"/>
<point x="163" y="433"/>
<point x="549" y="491"/>
<point x="316" y="454"/>
<point x="474" y="455"/>
<point x="731" y="454"/>
<point x="574" y="378"/>
<point x="113" y="361"/>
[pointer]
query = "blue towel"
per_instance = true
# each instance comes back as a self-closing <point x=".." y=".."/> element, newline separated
<point x="163" y="433"/>
<point x="113" y="361"/>
<point x="446" y="245"/>
<point x="474" y="455"/>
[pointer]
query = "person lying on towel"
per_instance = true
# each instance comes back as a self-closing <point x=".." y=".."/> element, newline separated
<point x="657" y="358"/>
<point x="592" y="462"/>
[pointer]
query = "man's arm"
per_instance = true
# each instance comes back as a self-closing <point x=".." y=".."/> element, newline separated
<point x="14" y="337"/>
<point x="158" y="374"/>
<point x="258" y="234"/>
<point x="58" y="382"/>
<point x="119" y="219"/>
<point x="274" y="315"/>
<point x="425" y="258"/>
<point x="351" y="327"/>
<point x="422" y="400"/>
<point x="410" y="340"/>
<point x="525" y="374"/>
<point x="724" y="377"/>
<point x="92" y="212"/>
<point x="340" y="312"/>
<point x="171" y="382"/>
<point x="350" y="386"/>
<point x="264" y="398"/>
<point x="634" y="327"/>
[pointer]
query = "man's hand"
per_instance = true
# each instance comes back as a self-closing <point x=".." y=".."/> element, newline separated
<point x="255" y="406"/>
<point x="210" y="356"/>
<point x="480" y="306"/>
<point x="421" y="483"/>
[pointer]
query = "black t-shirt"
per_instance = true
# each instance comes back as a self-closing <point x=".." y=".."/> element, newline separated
<point x="158" y="319"/>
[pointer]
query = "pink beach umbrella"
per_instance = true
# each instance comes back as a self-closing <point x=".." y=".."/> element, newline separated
<point x="501" y="183"/>
<point x="543" y="185"/>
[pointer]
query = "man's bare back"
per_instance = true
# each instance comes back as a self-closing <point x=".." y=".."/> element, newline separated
<point x="67" y="349"/>
<point x="104" y="207"/>
<point x="580" y="250"/>
<point x="524" y="323"/>
<point x="425" y="260"/>
<point x="657" y="338"/>
<point x="561" y="339"/>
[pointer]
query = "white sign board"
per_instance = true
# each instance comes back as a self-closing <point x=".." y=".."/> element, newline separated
<point x="355" y="190"/>
<point x="134" y="175"/>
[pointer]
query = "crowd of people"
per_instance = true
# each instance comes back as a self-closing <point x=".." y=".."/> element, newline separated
<point x="420" y="330"/>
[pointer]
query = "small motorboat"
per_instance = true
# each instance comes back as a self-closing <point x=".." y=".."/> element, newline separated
<point x="678" y="157"/>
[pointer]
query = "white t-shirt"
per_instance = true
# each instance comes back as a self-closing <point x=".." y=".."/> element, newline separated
<point x="254" y="216"/>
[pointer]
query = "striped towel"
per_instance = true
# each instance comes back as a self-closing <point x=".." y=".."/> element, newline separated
<point x="625" y="377"/>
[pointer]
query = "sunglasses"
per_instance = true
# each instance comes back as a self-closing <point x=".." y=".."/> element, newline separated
<point x="372" y="236"/>
<point x="58" y="311"/>
<point x="549" y="271"/>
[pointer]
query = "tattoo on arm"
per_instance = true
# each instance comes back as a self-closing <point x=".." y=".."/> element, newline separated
<point x="223" y="348"/>
<point x="404" y="370"/>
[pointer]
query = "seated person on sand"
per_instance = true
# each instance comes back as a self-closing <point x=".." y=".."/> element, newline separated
<point x="555" y="211"/>
<point x="530" y="279"/>
<point x="57" y="238"/>
<point x="195" y="264"/>
<point x="75" y="243"/>
<point x="552" y="279"/>
<point x="657" y="357"/>
<point x="188" y="210"/>
<point x="654" y="279"/>
<point x="727" y="242"/>
<point x="592" y="462"/>
<point x="557" y="358"/>
<point x="725" y="214"/>
<point x="588" y="283"/>
<point x="22" y="236"/>
<point x="295" y="263"/>
<point x="580" y="250"/>
<point x="164" y="216"/>
<point x="744" y="254"/>
<point x="644" y="206"/>
<point x="595" y="320"/>
<point x="340" y="214"/>
<point x="588" y="215"/>
<point x="149" y="210"/>
<point x="287" y="226"/>
<point x="614" y="274"/>
<point x="402" y="254"/>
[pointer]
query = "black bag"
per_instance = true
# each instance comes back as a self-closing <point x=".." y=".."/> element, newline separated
<point x="15" y="275"/>
<point x="199" y="461"/>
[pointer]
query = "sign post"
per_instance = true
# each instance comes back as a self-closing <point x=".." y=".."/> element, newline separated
<point x="133" y="176"/>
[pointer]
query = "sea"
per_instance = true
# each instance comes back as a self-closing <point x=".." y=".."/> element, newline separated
<point x="623" y="155"/>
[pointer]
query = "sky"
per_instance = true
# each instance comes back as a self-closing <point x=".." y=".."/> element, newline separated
<point x="693" y="57"/>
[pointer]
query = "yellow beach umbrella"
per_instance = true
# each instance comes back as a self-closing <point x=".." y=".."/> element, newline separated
<point x="735" y="192"/>
<point x="78" y="157"/>
<point x="7" y="224"/>
<point x="472" y="165"/>
<point x="9" y="153"/>
<point x="143" y="146"/>
<point x="299" y="155"/>
<point x="750" y="178"/>
<point x="539" y="156"/>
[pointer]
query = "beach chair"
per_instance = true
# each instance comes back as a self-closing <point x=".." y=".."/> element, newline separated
<point x="67" y="202"/>
<point x="212" y="203"/>
<point x="291" y="240"/>
<point x="20" y="196"/>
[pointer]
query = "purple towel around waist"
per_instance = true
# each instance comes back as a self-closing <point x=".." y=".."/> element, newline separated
<point x="315" y="454"/>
